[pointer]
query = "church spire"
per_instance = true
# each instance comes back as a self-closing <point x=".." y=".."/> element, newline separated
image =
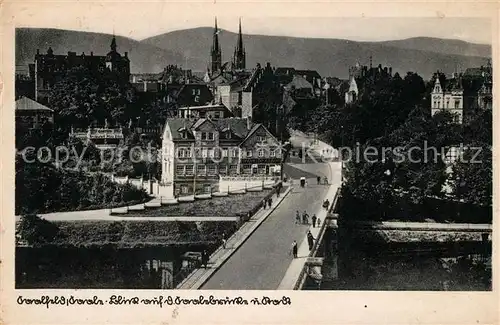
<point x="239" y="51"/>
<point x="215" y="53"/>
<point x="113" y="43"/>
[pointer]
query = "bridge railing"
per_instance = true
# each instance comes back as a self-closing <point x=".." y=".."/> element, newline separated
<point x="314" y="251"/>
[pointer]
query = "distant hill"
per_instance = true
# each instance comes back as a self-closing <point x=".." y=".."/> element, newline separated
<point x="443" y="46"/>
<point x="330" y="57"/>
<point x="143" y="57"/>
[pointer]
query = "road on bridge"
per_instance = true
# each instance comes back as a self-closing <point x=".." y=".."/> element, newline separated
<point x="262" y="261"/>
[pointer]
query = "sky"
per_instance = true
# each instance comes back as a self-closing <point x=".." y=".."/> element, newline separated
<point x="140" y="20"/>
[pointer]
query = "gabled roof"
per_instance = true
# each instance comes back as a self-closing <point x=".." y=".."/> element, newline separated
<point x="254" y="129"/>
<point x="26" y="104"/>
<point x="284" y="71"/>
<point x="299" y="83"/>
<point x="238" y="126"/>
<point x="308" y="73"/>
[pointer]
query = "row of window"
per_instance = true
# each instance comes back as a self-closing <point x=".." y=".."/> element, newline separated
<point x="212" y="170"/>
<point x="437" y="103"/>
<point x="202" y="170"/>
<point x="214" y="153"/>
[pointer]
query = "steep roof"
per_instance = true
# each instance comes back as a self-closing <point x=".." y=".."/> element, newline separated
<point x="299" y="83"/>
<point x="308" y="73"/>
<point x="26" y="104"/>
<point x="237" y="125"/>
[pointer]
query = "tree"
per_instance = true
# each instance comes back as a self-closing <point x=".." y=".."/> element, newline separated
<point x="36" y="231"/>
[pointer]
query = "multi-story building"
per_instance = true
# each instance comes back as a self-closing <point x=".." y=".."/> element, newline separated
<point x="32" y="115"/>
<point x="213" y="111"/>
<point x="361" y="76"/>
<point x="448" y="97"/>
<point x="197" y="152"/>
<point x="49" y="67"/>
<point x="103" y="138"/>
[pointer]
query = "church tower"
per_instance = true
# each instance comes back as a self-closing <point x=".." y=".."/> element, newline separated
<point x="239" y="53"/>
<point x="215" y="52"/>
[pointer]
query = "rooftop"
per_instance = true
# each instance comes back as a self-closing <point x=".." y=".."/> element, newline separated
<point x="26" y="104"/>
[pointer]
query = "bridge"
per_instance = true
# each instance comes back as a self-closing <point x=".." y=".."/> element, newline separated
<point x="264" y="261"/>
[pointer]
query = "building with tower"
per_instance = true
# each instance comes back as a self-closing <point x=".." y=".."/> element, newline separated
<point x="239" y="57"/>
<point x="50" y="67"/>
<point x="215" y="52"/>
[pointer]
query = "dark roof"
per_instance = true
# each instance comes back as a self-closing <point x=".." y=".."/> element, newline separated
<point x="237" y="125"/>
<point x="453" y="84"/>
<point x="284" y="71"/>
<point x="308" y="73"/>
<point x="26" y="104"/>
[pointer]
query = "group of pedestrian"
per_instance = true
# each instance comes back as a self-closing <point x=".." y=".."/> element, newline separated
<point x="304" y="219"/>
<point x="310" y="243"/>
<point x="267" y="203"/>
<point x="325" y="180"/>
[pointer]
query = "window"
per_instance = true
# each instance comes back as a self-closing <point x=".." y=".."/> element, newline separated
<point x="179" y="170"/>
<point x="210" y="153"/>
<point x="228" y="135"/>
<point x="234" y="152"/>
<point x="246" y="169"/>
<point x="184" y="189"/>
<point x="447" y="103"/>
<point x="223" y="169"/>
<point x="204" y="152"/>
<point x="207" y="135"/>
<point x="189" y="170"/>
<point x="224" y="152"/>
<point x="207" y="188"/>
<point x="457" y="103"/>
<point x="260" y="152"/>
<point x="216" y="114"/>
<point x="184" y="134"/>
<point x="249" y="153"/>
<point x="201" y="170"/>
<point x="261" y="138"/>
<point x="212" y="170"/>
<point x="233" y="169"/>
<point x="272" y="153"/>
<point x="198" y="91"/>
<point x="193" y="91"/>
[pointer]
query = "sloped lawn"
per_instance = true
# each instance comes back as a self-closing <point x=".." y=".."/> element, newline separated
<point x="229" y="206"/>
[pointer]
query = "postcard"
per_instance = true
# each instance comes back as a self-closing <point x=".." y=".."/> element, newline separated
<point x="248" y="162"/>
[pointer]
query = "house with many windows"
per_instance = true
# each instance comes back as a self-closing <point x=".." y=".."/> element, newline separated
<point x="197" y="153"/>
<point x="448" y="97"/>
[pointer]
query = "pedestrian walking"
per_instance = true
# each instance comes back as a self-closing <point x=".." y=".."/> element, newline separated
<point x="319" y="180"/>
<point x="204" y="258"/>
<point x="264" y="203"/>
<point x="224" y="241"/>
<point x="294" y="249"/>
<point x="305" y="218"/>
<point x="314" y="220"/>
<point x="326" y="180"/>
<point x="270" y="201"/>
<point x="297" y="217"/>
<point x="310" y="240"/>
<point x="318" y="222"/>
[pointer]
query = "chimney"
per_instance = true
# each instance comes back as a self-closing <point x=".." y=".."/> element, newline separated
<point x="91" y="53"/>
<point x="126" y="54"/>
<point x="249" y="123"/>
<point x="37" y="51"/>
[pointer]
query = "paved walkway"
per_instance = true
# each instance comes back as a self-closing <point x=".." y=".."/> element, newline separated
<point x="199" y="276"/>
<point x="293" y="272"/>
<point x="426" y="226"/>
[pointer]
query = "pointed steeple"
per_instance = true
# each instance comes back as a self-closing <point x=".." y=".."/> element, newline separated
<point x="113" y="43"/>
<point x="239" y="51"/>
<point x="215" y="52"/>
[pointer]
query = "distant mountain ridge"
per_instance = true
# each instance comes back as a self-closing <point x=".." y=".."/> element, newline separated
<point x="330" y="57"/>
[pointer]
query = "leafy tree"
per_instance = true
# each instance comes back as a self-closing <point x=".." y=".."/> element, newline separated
<point x="36" y="231"/>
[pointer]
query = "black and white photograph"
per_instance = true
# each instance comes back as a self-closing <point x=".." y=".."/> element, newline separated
<point x="244" y="153"/>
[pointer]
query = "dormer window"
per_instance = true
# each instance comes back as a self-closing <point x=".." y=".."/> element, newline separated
<point x="184" y="134"/>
